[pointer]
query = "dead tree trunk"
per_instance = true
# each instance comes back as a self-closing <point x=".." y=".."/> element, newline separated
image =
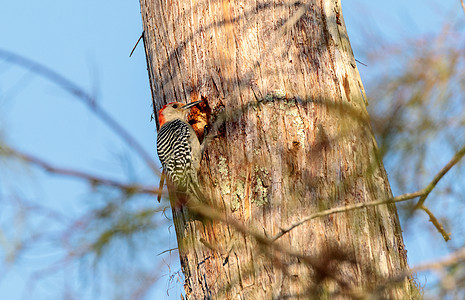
<point x="282" y="82"/>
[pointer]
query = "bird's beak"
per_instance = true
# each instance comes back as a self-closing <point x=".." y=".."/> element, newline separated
<point x="189" y="105"/>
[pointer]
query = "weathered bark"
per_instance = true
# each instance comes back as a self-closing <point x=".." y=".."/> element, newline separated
<point x="296" y="139"/>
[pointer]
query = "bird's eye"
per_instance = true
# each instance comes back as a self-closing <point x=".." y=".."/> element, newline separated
<point x="175" y="106"/>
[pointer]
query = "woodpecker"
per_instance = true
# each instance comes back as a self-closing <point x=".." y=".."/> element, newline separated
<point x="178" y="147"/>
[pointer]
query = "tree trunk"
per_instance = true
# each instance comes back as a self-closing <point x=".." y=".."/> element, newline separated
<point x="281" y="80"/>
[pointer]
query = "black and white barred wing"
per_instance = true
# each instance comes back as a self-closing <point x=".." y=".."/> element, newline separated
<point x="174" y="152"/>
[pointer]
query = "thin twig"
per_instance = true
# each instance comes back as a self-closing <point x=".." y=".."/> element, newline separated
<point x="438" y="264"/>
<point x="82" y="95"/>
<point x="341" y="209"/>
<point x="167" y="250"/>
<point x="457" y="157"/>
<point x="454" y="258"/>
<point x="422" y="194"/>
<point x="137" y="43"/>
<point x="436" y="223"/>
<point x="129" y="188"/>
<point x="215" y="215"/>
<point x="463" y="5"/>
<point x="360" y="62"/>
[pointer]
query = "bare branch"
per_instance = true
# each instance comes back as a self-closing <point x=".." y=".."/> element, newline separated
<point x="436" y="223"/>
<point x="463" y="5"/>
<point x="457" y="157"/>
<point x="128" y="188"/>
<point x="438" y="265"/>
<point x="82" y="95"/>
<point x="137" y="43"/>
<point x="341" y="209"/>
<point x="422" y="193"/>
<point x="167" y="250"/>
<point x="214" y="214"/>
<point x="456" y="257"/>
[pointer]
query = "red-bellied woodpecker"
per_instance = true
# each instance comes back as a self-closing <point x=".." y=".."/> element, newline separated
<point x="178" y="147"/>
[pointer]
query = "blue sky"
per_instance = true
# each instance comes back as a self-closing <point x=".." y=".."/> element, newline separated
<point x="89" y="42"/>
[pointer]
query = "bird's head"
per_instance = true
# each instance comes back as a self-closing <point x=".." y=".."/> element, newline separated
<point x="174" y="110"/>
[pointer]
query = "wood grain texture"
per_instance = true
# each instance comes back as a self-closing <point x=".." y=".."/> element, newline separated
<point x="295" y="139"/>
